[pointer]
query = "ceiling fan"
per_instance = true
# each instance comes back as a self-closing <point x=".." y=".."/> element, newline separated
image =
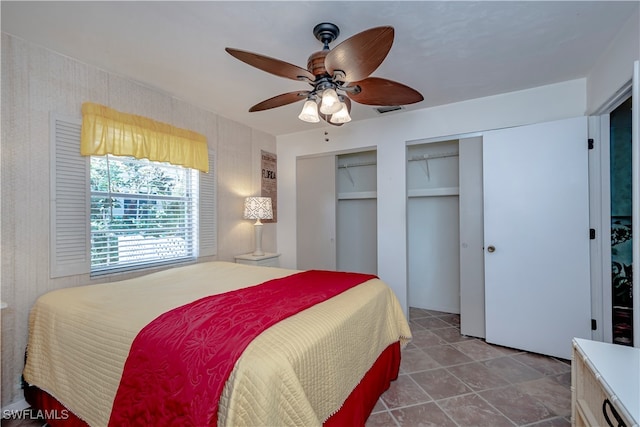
<point x="336" y="76"/>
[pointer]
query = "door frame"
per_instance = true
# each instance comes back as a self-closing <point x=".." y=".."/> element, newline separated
<point x="472" y="320"/>
<point x="635" y="153"/>
<point x="600" y="214"/>
<point x="331" y="236"/>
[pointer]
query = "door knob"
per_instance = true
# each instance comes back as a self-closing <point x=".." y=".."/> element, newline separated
<point x="491" y="249"/>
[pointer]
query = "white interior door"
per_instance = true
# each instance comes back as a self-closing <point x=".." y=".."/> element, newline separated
<point x="316" y="212"/>
<point x="472" y="316"/>
<point x="536" y="235"/>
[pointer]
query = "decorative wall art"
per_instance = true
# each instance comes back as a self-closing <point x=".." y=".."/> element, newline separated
<point x="269" y="185"/>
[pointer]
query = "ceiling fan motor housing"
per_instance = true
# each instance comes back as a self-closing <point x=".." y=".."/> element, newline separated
<point x="315" y="63"/>
<point x="326" y="32"/>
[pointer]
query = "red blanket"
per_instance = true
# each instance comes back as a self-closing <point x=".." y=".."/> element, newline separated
<point x="178" y="364"/>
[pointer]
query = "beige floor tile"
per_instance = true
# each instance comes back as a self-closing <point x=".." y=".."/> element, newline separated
<point x="450" y="379"/>
<point x="425" y="415"/>
<point x="552" y="394"/>
<point x="440" y="384"/>
<point x="511" y="370"/>
<point x="416" y="360"/>
<point x="404" y="392"/>
<point x="515" y="405"/>
<point x="446" y="355"/>
<point x="472" y="411"/>
<point x="477" y="376"/>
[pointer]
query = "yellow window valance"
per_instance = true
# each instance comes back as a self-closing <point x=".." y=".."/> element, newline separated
<point x="107" y="131"/>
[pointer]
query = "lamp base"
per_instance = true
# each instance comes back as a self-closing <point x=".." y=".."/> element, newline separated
<point x="258" y="233"/>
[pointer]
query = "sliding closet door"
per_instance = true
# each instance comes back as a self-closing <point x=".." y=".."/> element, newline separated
<point x="316" y="212"/>
<point x="471" y="238"/>
<point x="536" y="235"/>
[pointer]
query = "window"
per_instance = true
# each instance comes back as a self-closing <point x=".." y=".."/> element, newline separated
<point x="111" y="214"/>
<point x="142" y="213"/>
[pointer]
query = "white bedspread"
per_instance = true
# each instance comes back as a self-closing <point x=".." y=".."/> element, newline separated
<point x="296" y="373"/>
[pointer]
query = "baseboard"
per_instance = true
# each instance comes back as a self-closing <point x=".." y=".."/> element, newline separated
<point x="15" y="406"/>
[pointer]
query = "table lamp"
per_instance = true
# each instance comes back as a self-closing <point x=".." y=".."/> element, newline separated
<point x="258" y="208"/>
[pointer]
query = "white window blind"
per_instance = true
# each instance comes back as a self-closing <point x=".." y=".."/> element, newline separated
<point x="143" y="213"/>
<point x="133" y="214"/>
<point x="69" y="206"/>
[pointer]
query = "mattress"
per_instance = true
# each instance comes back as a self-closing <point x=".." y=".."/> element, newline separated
<point x="298" y="372"/>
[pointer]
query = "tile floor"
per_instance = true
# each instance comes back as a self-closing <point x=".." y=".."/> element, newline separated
<point x="447" y="379"/>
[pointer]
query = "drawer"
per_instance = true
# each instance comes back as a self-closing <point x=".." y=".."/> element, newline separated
<point x="268" y="261"/>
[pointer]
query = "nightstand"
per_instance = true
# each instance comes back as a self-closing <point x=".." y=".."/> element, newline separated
<point x="269" y="259"/>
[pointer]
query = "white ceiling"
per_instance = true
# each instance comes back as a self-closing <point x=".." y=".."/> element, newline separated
<point x="447" y="50"/>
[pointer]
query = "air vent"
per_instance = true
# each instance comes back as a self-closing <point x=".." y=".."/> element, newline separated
<point x="389" y="109"/>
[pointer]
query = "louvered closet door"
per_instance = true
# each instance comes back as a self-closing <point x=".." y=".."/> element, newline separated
<point x="536" y="236"/>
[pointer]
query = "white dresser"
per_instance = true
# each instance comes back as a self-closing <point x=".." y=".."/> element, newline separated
<point x="605" y="384"/>
<point x="267" y="260"/>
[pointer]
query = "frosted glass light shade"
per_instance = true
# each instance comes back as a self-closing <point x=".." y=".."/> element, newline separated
<point x="330" y="102"/>
<point x="342" y="116"/>
<point x="309" y="112"/>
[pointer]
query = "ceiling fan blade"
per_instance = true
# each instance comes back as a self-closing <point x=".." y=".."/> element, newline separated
<point x="327" y="118"/>
<point x="271" y="65"/>
<point x="360" y="55"/>
<point x="377" y="91"/>
<point x="280" y="100"/>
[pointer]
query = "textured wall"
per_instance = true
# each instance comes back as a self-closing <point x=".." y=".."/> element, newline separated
<point x="37" y="82"/>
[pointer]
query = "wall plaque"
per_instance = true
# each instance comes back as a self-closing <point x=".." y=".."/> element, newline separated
<point x="269" y="186"/>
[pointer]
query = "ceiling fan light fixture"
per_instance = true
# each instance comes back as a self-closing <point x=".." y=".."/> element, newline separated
<point x="342" y="116"/>
<point x="337" y="76"/>
<point x="330" y="103"/>
<point x="309" y="112"/>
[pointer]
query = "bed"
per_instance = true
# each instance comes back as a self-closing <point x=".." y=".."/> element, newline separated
<point x="327" y="361"/>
